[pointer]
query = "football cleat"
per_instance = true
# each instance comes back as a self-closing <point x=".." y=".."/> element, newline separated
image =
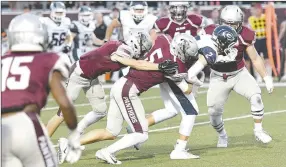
<point x="136" y="146"/>
<point x="104" y="155"/>
<point x="261" y="135"/>
<point x="222" y="141"/>
<point x="63" y="150"/>
<point x="182" y="154"/>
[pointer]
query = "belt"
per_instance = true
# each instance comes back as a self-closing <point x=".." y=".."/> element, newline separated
<point x="226" y="75"/>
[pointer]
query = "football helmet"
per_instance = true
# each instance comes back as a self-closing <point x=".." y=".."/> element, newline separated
<point x="224" y="37"/>
<point x="85" y="15"/>
<point x="140" y="42"/>
<point x="138" y="10"/>
<point x="184" y="46"/>
<point x="27" y="33"/>
<point x="58" y="11"/>
<point x="233" y="16"/>
<point x="178" y="10"/>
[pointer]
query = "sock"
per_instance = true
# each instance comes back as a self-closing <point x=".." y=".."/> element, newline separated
<point x="218" y="125"/>
<point x="257" y="126"/>
<point x="222" y="133"/>
<point x="181" y="145"/>
<point x="90" y="118"/>
<point x="127" y="141"/>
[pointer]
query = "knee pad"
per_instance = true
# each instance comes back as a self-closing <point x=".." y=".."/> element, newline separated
<point x="163" y="114"/>
<point x="215" y="110"/>
<point x="257" y="107"/>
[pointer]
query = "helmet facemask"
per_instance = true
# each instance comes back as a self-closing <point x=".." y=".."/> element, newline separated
<point x="138" y="10"/>
<point x="178" y="13"/>
<point x="85" y="18"/>
<point x="235" y="25"/>
<point x="58" y="15"/>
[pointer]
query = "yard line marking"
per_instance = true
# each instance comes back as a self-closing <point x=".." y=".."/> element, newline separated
<point x="207" y="122"/>
<point x="225" y="120"/>
<point x="87" y="104"/>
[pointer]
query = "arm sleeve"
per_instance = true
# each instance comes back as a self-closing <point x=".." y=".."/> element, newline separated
<point x="209" y="54"/>
<point x="73" y="28"/>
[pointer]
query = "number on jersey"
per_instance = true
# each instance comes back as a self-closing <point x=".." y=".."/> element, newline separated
<point x="58" y="38"/>
<point x="12" y="65"/>
<point x="157" y="52"/>
<point x="87" y="38"/>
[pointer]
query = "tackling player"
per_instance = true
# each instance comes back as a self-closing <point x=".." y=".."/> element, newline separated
<point x="82" y="33"/>
<point x="232" y="75"/>
<point x="28" y="74"/>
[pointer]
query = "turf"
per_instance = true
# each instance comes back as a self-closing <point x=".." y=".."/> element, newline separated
<point x="243" y="150"/>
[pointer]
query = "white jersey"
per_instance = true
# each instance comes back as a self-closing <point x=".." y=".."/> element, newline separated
<point x="115" y="33"/>
<point x="83" y="40"/>
<point x="57" y="32"/>
<point x="129" y="24"/>
<point x="4" y="47"/>
<point x="208" y="49"/>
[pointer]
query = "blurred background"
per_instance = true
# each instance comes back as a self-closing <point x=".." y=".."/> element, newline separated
<point x="104" y="12"/>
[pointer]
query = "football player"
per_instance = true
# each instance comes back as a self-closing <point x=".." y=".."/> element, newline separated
<point x="110" y="57"/>
<point x="136" y="82"/>
<point x="82" y="33"/>
<point x="232" y="75"/>
<point x="28" y="74"/>
<point x="58" y="28"/>
<point x="178" y="23"/>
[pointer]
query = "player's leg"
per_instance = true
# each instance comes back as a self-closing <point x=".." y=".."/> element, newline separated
<point x="113" y="126"/>
<point x="35" y="148"/>
<point x="133" y="112"/>
<point x="217" y="95"/>
<point x="166" y="113"/>
<point x="96" y="96"/>
<point x="248" y="87"/>
<point x="74" y="86"/>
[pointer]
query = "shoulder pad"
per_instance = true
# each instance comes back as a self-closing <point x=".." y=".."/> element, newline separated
<point x="247" y="36"/>
<point x="67" y="20"/>
<point x="196" y="19"/>
<point x="124" y="51"/>
<point x="161" y="24"/>
<point x="63" y="65"/>
<point x="209" y="54"/>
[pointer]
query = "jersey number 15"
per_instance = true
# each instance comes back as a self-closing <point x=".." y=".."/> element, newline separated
<point x="12" y="65"/>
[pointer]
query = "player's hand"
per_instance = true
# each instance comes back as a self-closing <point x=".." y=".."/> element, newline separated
<point x="177" y="77"/>
<point x="168" y="67"/>
<point x="74" y="149"/>
<point x="66" y="49"/>
<point x="269" y="83"/>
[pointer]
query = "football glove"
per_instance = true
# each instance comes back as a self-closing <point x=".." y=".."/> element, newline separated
<point x="74" y="149"/>
<point x="168" y="67"/>
<point x="66" y="49"/>
<point x="269" y="83"/>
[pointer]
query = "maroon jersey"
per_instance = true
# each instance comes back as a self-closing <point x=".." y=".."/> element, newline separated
<point x="25" y="78"/>
<point x="158" y="54"/>
<point x="246" y="38"/>
<point x="167" y="25"/>
<point x="97" y="61"/>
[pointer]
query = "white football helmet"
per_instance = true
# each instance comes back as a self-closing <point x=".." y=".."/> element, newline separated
<point x="178" y="10"/>
<point x="58" y="11"/>
<point x="85" y="15"/>
<point x="184" y="46"/>
<point x="138" y="10"/>
<point x="27" y="33"/>
<point x="233" y="16"/>
<point x="140" y="42"/>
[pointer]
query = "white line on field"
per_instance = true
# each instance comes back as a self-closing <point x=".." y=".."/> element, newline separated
<point x="207" y="122"/>
<point x="87" y="104"/>
<point x="225" y="120"/>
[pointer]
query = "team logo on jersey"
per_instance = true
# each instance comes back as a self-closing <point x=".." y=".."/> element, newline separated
<point x="180" y="28"/>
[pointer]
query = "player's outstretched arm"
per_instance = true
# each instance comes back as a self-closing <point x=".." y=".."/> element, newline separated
<point x="59" y="93"/>
<point x="196" y="69"/>
<point x="258" y="64"/>
<point x="115" y="23"/>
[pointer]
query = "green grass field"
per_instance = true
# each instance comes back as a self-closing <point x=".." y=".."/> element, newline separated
<point x="243" y="150"/>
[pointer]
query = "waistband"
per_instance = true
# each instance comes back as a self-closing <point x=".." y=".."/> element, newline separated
<point x="222" y="74"/>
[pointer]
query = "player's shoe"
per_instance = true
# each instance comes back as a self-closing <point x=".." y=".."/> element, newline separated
<point x="128" y="129"/>
<point x="63" y="150"/>
<point x="104" y="155"/>
<point x="222" y="141"/>
<point x="261" y="135"/>
<point x="182" y="154"/>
